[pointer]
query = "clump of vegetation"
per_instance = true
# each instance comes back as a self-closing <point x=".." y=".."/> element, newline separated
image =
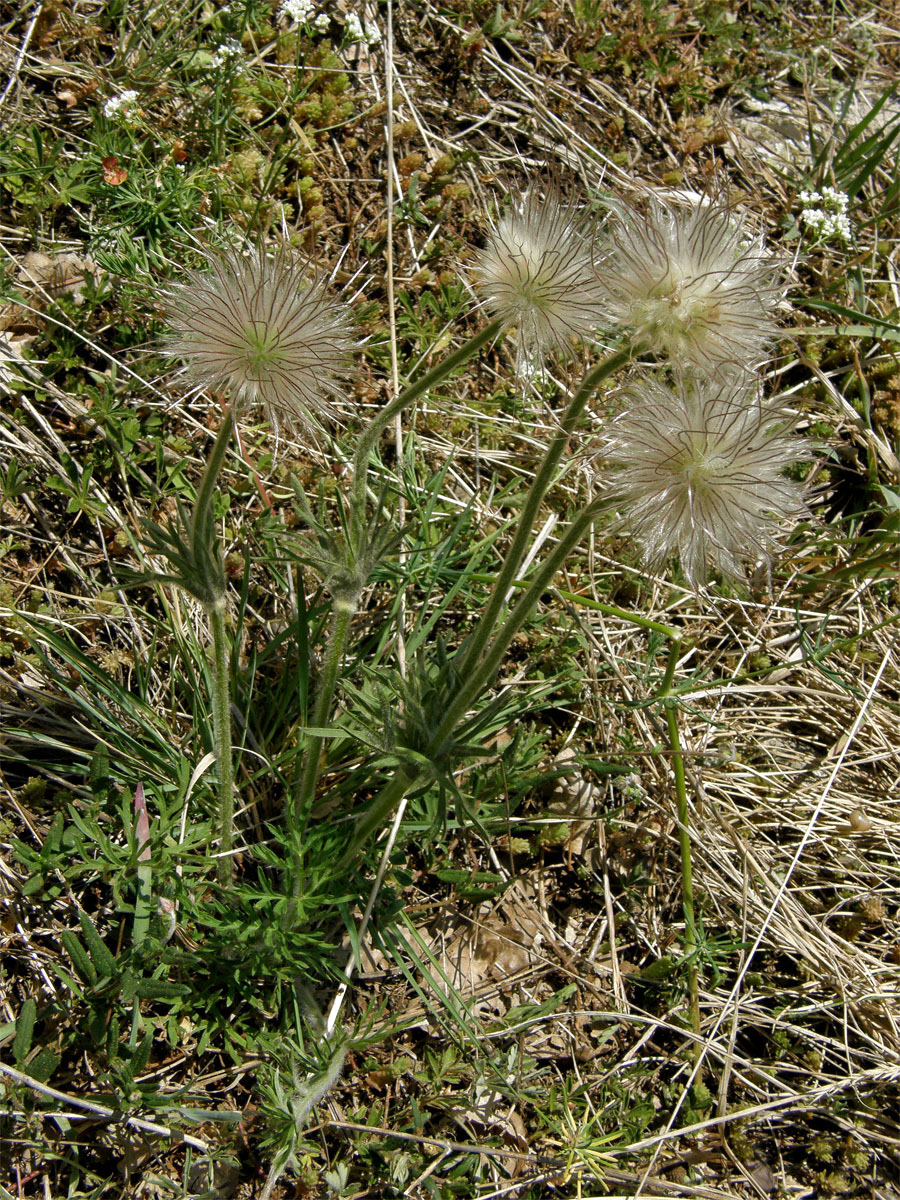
<point x="443" y="753"/>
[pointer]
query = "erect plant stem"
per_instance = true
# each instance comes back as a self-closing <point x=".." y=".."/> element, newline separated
<point x="210" y="584"/>
<point x="203" y="511"/>
<point x="407" y="776"/>
<point x="221" y="713"/>
<point x="506" y="578"/>
<point x="482" y="672"/>
<point x="484" y="652"/>
<point x="341" y="618"/>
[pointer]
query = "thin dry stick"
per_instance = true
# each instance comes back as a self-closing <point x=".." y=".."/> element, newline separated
<point x="335" y="1011"/>
<point x="616" y="970"/>
<point x="392" y="315"/>
<point x="100" y="1110"/>
<point x="23" y="50"/>
<point x="876" y="1075"/>
<point x="611" y="1173"/>
<point x="728" y="1067"/>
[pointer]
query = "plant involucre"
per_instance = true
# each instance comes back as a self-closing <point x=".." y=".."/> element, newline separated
<point x="264" y="332"/>
<point x="537" y="273"/>
<point x="690" y="285"/>
<point x="700" y="475"/>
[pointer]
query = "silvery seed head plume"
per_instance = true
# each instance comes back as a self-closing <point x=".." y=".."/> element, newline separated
<point x="700" y="475"/>
<point x="691" y="285"/>
<point x="537" y="273"/>
<point x="265" y="332"/>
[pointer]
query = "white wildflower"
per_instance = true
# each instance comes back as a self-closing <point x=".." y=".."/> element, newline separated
<point x="537" y="274"/>
<point x="356" y="30"/>
<point x="824" y="213"/>
<point x="700" y="474"/>
<point x="120" y="105"/>
<point x="691" y="285"/>
<point x="228" y="51"/>
<point x="298" y="10"/>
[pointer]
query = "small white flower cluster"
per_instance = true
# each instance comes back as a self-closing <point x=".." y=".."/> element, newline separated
<point x="825" y="214"/>
<point x="118" y="106"/>
<point x="302" y="11"/>
<point x="228" y="51"/>
<point x="298" y="10"/>
<point x="356" y="31"/>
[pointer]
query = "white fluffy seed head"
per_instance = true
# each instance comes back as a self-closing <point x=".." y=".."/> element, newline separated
<point x="537" y="273"/>
<point x="691" y="285"/>
<point x="265" y="332"/>
<point x="699" y="475"/>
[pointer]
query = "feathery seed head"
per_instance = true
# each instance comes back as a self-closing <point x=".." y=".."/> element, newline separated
<point x="691" y="285"/>
<point x="700" y="475"/>
<point x="265" y="332"/>
<point x="537" y="273"/>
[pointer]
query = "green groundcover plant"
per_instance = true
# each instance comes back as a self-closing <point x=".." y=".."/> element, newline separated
<point x="696" y="462"/>
<point x="668" y="311"/>
<point x="679" y="300"/>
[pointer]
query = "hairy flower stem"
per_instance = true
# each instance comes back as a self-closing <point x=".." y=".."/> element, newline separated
<point x="341" y="618"/>
<point x="203" y="537"/>
<point x="482" y="673"/>
<point x="484" y="653"/>
<point x="684" y="841"/>
<point x="382" y="420"/>
<point x="221" y="712"/>
<point x="505" y="580"/>
<point x="406" y="776"/>
<point x="207" y="561"/>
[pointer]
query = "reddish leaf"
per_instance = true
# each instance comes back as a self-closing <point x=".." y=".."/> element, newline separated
<point x="142" y="824"/>
<point x="112" y="172"/>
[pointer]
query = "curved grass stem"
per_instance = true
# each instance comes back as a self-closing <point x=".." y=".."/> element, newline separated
<point x="221" y="714"/>
<point x="691" y="939"/>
